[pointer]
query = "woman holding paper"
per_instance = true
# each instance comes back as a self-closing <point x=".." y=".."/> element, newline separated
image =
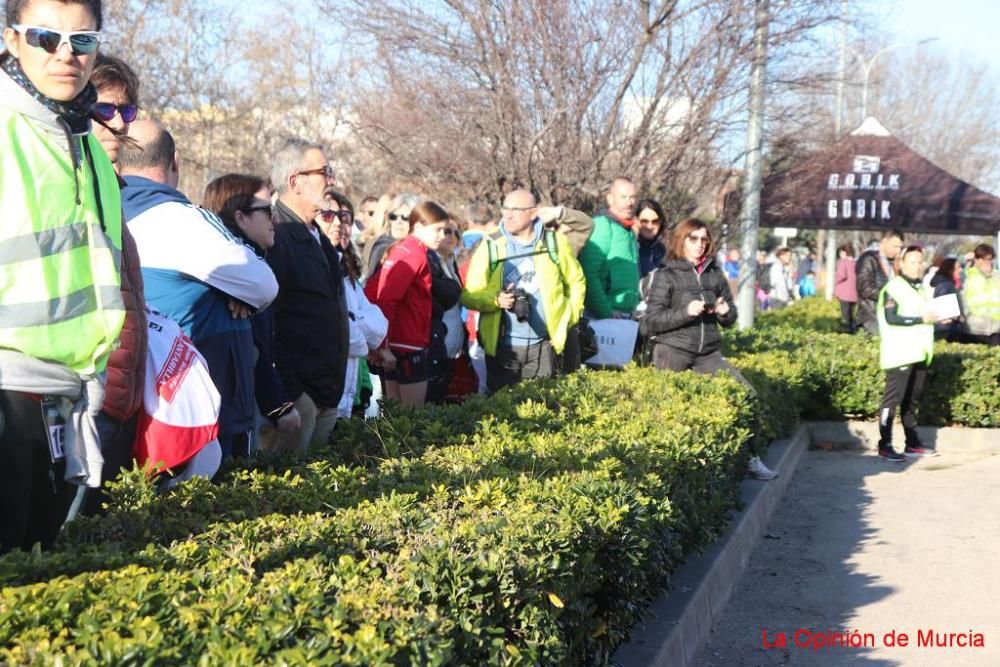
<point x="945" y="286"/>
<point x="906" y="347"/>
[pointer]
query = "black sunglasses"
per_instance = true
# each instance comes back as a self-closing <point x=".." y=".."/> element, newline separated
<point x="81" y="42"/>
<point x="343" y="214"/>
<point x="261" y="207"/>
<point x="393" y="217"/>
<point x="106" y="111"/>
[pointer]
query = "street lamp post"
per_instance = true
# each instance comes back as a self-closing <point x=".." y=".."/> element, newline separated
<point x="867" y="66"/>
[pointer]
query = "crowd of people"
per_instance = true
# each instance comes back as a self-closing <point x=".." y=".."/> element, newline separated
<point x="305" y="308"/>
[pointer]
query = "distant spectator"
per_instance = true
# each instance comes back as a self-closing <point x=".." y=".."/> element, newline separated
<point x="198" y="273"/>
<point x="981" y="293"/>
<point x="529" y="288"/>
<point x="782" y="287"/>
<point x="845" y="287"/>
<point x="243" y="202"/>
<point x="732" y="265"/>
<point x="807" y="285"/>
<point x="610" y="258"/>
<point x="945" y="282"/>
<point x="312" y="331"/>
<point x="873" y="270"/>
<point x="652" y="228"/>
<point x="689" y="300"/>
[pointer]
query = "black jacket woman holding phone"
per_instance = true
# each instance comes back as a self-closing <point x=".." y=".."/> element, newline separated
<point x="689" y="298"/>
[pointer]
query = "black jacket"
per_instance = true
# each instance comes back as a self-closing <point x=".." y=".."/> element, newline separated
<point x="651" y="253"/>
<point x="871" y="279"/>
<point x="952" y="330"/>
<point x="676" y="284"/>
<point x="310" y="314"/>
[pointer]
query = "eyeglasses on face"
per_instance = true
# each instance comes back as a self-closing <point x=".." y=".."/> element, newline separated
<point x="260" y="207"/>
<point x="81" y="42"/>
<point x="700" y="238"/>
<point x="326" y="172"/>
<point x="343" y="215"/>
<point x="393" y="217"/>
<point x="517" y="209"/>
<point x="106" y="111"/>
<point x="651" y="221"/>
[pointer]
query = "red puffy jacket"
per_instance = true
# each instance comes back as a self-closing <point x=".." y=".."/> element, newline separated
<point x="127" y="364"/>
<point x="401" y="288"/>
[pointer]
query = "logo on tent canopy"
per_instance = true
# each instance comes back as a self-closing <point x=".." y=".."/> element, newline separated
<point x="865" y="177"/>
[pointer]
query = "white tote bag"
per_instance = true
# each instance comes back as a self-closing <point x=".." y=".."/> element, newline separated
<point x="615" y="342"/>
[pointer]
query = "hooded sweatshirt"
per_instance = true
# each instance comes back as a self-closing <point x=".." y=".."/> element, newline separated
<point x="192" y="266"/>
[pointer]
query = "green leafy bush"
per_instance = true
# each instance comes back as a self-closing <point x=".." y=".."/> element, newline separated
<point x="793" y="356"/>
<point x="529" y="529"/>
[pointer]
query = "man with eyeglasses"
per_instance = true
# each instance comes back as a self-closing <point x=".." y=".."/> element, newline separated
<point x="528" y="287"/>
<point x="312" y="336"/>
<point x="195" y="271"/>
<point x="610" y="258"/>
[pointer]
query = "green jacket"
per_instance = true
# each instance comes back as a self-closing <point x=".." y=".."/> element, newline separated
<point x="981" y="296"/>
<point x="610" y="261"/>
<point x="60" y="241"/>
<point x="562" y="287"/>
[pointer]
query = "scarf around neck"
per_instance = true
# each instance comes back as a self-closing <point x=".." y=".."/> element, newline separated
<point x="76" y="112"/>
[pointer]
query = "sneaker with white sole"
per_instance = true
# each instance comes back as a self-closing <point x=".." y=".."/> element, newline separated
<point x="758" y="470"/>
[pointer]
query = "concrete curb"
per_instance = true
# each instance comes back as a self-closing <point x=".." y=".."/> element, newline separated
<point x="679" y="621"/>
<point x="863" y="435"/>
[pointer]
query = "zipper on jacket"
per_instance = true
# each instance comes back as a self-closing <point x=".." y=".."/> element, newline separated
<point x="701" y="318"/>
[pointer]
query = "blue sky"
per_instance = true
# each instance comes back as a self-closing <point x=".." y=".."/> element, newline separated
<point x="964" y="28"/>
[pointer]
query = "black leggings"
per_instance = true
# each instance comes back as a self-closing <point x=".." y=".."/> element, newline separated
<point x="847" y="315"/>
<point x="34" y="498"/>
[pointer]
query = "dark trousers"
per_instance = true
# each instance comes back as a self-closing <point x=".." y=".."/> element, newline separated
<point x="117" y="439"/>
<point x="571" y="361"/>
<point x="903" y="388"/>
<point x="34" y="498"/>
<point x="668" y="358"/>
<point x="847" y="315"/>
<point x="510" y="365"/>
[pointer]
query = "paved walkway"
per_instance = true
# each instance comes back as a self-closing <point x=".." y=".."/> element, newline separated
<point x="861" y="544"/>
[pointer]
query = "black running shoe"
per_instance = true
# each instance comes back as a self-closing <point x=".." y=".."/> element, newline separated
<point x="890" y="454"/>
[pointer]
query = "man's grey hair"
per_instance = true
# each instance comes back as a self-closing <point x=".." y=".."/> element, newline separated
<point x="157" y="154"/>
<point x="288" y="160"/>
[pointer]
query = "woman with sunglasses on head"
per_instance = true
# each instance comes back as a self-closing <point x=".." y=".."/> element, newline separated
<point x="447" y="328"/>
<point x="391" y="225"/>
<point x="402" y="288"/>
<point x="62" y="311"/>
<point x="689" y="299"/>
<point x="368" y="325"/>
<point x="243" y="203"/>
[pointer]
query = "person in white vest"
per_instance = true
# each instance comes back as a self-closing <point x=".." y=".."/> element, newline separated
<point x="906" y="348"/>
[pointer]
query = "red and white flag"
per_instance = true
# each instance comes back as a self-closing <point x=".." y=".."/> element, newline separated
<point x="180" y="403"/>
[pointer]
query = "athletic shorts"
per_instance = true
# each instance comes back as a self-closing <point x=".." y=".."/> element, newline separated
<point x="412" y="366"/>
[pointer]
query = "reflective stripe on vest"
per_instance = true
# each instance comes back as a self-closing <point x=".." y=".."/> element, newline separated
<point x="904" y="345"/>
<point x="60" y="283"/>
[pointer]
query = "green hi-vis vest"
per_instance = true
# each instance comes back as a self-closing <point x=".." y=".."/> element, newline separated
<point x="60" y="287"/>
<point x="904" y="345"/>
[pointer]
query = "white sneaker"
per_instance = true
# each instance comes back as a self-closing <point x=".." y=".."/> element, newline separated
<point x="758" y="470"/>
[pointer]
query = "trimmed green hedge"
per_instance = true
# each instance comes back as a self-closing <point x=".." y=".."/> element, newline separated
<point x="527" y="529"/>
<point x="835" y="376"/>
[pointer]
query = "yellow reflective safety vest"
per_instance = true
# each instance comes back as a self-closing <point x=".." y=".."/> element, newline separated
<point x="981" y="295"/>
<point x="904" y="345"/>
<point x="60" y="242"/>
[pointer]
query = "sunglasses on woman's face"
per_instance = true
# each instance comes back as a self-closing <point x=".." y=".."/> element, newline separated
<point x="343" y="215"/>
<point x="393" y="217"/>
<point x="81" y="42"/>
<point x="106" y="111"/>
<point x="697" y="239"/>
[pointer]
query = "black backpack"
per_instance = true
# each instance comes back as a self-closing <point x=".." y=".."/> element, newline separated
<point x="764" y="276"/>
